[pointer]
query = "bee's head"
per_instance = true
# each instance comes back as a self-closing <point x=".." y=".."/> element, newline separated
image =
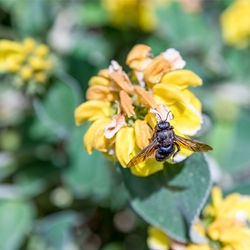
<point x="163" y="125"/>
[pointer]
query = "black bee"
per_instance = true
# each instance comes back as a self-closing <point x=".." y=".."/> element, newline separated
<point x="165" y="143"/>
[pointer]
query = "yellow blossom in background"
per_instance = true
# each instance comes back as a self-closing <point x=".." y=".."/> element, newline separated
<point x="140" y="14"/>
<point x="123" y="110"/>
<point x="234" y="206"/>
<point x="226" y="226"/>
<point x="27" y="62"/>
<point x="131" y="13"/>
<point x="158" y="240"/>
<point x="235" y="23"/>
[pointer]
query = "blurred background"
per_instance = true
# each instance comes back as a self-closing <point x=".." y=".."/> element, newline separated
<point x="53" y="195"/>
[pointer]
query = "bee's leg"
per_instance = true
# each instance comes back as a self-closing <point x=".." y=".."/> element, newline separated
<point x="177" y="151"/>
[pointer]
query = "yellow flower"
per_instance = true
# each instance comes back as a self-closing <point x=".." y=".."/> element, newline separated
<point x="29" y="45"/>
<point x="226" y="228"/>
<point x="234" y="206"/>
<point x="158" y="240"/>
<point x="235" y="23"/>
<point x="232" y="234"/>
<point x="10" y="55"/>
<point x="131" y="13"/>
<point x="27" y="60"/>
<point x="41" y="50"/>
<point x="229" y="220"/>
<point x="198" y="247"/>
<point x="26" y="72"/>
<point x="125" y="109"/>
<point x="40" y="77"/>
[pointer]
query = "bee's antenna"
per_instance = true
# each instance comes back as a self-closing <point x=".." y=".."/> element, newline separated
<point x="167" y="115"/>
<point x="159" y="117"/>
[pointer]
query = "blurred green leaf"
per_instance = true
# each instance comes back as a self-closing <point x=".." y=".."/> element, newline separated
<point x="113" y="246"/>
<point x="235" y="156"/>
<point x="237" y="63"/>
<point x="56" y="111"/>
<point x="15" y="223"/>
<point x="188" y="31"/>
<point x="33" y="180"/>
<point x="89" y="175"/>
<point x="173" y="198"/>
<point x="31" y="17"/>
<point x="7" y="164"/>
<point x="56" y="229"/>
<point x="93" y="14"/>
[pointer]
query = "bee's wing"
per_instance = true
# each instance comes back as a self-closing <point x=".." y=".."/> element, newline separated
<point x="192" y="145"/>
<point x="143" y="154"/>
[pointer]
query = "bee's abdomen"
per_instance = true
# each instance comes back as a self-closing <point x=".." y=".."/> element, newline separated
<point x="163" y="153"/>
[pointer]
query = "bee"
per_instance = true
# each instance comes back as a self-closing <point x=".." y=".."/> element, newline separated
<point x="165" y="143"/>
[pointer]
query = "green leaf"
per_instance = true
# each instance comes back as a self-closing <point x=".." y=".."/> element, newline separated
<point x="15" y="223"/>
<point x="33" y="180"/>
<point x="187" y="31"/>
<point x="89" y="175"/>
<point x="236" y="156"/>
<point x="31" y="17"/>
<point x="242" y="188"/>
<point x="93" y="14"/>
<point x="56" y="111"/>
<point x="173" y="198"/>
<point x="56" y="229"/>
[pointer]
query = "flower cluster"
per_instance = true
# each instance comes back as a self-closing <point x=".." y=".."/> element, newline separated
<point x="224" y="223"/>
<point x="141" y="15"/>
<point x="122" y="108"/>
<point x="131" y="14"/>
<point x="235" y="22"/>
<point x="27" y="61"/>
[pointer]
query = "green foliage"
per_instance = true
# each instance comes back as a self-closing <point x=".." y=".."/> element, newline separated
<point x="15" y="223"/>
<point x="182" y="188"/>
<point x="42" y="158"/>
<point x="89" y="175"/>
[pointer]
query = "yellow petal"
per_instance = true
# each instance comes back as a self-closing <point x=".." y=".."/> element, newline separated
<point x="157" y="239"/>
<point x="124" y="144"/>
<point x="126" y="148"/>
<point x="92" y="110"/>
<point x="99" y="80"/>
<point x="144" y="97"/>
<point x="192" y="99"/>
<point x="216" y="197"/>
<point x="143" y="133"/>
<point x="185" y="120"/>
<point x="100" y="93"/>
<point x="89" y="136"/>
<point x="100" y="142"/>
<point x="151" y="120"/>
<point x="181" y="78"/>
<point x="126" y="103"/>
<point x="148" y="167"/>
<point x="168" y="94"/>
<point x="198" y="247"/>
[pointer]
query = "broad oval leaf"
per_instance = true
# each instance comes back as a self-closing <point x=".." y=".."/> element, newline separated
<point x="173" y="198"/>
<point x="15" y="223"/>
